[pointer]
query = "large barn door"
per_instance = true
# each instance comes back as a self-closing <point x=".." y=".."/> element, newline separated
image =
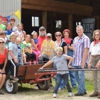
<point x="88" y="25"/>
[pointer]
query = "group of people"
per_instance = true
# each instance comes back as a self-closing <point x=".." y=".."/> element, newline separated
<point x="18" y="48"/>
<point x="84" y="52"/>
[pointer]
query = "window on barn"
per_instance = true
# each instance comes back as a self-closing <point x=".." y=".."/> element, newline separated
<point x="58" y="23"/>
<point x="35" y="21"/>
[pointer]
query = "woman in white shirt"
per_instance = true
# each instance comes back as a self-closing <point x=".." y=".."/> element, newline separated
<point x="94" y="58"/>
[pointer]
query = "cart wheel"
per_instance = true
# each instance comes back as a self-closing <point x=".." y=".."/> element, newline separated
<point x="11" y="87"/>
<point x="44" y="85"/>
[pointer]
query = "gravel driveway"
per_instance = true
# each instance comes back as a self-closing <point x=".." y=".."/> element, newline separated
<point x="20" y="96"/>
<point x="36" y="94"/>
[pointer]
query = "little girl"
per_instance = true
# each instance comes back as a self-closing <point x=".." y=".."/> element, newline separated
<point x="27" y="50"/>
<point x="35" y="40"/>
<point x="61" y="64"/>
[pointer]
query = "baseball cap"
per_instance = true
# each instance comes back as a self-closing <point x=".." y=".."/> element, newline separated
<point x="49" y="35"/>
<point x="42" y="28"/>
<point x="4" y="19"/>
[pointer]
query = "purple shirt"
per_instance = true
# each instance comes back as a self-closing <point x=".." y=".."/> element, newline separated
<point x="79" y="45"/>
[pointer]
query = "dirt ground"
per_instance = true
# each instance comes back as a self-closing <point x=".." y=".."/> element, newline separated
<point x="21" y="96"/>
<point x="34" y="93"/>
<point x="25" y="93"/>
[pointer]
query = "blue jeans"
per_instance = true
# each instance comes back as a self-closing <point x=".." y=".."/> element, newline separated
<point x="71" y="73"/>
<point x="20" y="60"/>
<point x="80" y="78"/>
<point x="59" y="78"/>
<point x="72" y="78"/>
<point x="62" y="84"/>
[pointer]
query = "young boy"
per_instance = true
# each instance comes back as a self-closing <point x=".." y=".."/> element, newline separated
<point x="60" y="60"/>
<point x="20" y="58"/>
<point x="13" y="57"/>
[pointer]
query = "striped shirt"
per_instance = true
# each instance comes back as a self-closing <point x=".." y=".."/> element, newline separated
<point x="79" y="45"/>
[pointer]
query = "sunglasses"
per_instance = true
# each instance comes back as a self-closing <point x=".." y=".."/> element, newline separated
<point x="96" y="34"/>
<point x="57" y="35"/>
<point x="42" y="30"/>
<point x="1" y="42"/>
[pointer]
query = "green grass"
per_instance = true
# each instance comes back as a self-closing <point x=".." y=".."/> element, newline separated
<point x="32" y="89"/>
<point x="89" y="85"/>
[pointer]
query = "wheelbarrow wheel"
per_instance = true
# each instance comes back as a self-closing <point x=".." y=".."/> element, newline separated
<point x="11" y="87"/>
<point x="44" y="85"/>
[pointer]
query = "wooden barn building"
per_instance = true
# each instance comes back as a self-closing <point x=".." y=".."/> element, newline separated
<point x="55" y="15"/>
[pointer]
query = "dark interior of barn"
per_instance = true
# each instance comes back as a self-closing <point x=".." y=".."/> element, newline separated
<point x="56" y="15"/>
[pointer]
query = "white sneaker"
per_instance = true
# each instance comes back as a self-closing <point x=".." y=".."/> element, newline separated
<point x="54" y="95"/>
<point x="59" y="89"/>
<point x="70" y="94"/>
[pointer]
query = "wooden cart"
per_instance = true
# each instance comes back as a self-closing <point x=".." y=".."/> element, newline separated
<point x="31" y="74"/>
